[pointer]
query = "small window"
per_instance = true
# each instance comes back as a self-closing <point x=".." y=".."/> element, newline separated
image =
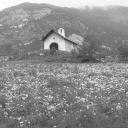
<point x="61" y="30"/>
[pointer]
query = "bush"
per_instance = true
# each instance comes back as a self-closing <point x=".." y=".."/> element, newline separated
<point x="87" y="52"/>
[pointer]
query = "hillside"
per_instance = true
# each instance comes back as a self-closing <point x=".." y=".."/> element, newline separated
<point x="24" y="25"/>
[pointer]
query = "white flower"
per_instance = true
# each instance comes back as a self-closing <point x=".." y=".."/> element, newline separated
<point x="51" y="107"/>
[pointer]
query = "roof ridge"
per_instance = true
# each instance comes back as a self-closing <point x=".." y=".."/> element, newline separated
<point x="65" y="38"/>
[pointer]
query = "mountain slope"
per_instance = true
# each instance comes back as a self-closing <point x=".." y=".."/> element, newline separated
<point x="28" y="22"/>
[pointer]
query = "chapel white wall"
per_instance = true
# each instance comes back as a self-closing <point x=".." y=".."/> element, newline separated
<point x="57" y="39"/>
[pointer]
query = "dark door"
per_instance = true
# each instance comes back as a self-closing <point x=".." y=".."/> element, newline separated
<point x="54" y="46"/>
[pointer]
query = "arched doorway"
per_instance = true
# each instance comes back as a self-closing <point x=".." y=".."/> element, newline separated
<point x="54" y="46"/>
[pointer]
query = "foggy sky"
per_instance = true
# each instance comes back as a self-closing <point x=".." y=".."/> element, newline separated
<point x="65" y="3"/>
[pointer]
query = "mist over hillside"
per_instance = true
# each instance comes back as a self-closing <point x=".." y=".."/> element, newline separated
<point x="24" y="25"/>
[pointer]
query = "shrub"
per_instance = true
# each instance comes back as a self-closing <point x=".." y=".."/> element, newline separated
<point x="87" y="52"/>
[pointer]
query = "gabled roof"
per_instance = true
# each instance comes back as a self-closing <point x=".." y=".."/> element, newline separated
<point x="53" y="31"/>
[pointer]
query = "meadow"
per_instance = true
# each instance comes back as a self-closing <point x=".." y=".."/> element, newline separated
<point x="63" y="95"/>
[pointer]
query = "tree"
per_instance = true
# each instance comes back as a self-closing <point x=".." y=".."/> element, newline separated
<point x="88" y="51"/>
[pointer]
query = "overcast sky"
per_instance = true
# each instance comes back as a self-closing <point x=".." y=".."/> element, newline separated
<point x="67" y="3"/>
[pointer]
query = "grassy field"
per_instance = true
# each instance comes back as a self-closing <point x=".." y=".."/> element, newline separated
<point x="56" y="95"/>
